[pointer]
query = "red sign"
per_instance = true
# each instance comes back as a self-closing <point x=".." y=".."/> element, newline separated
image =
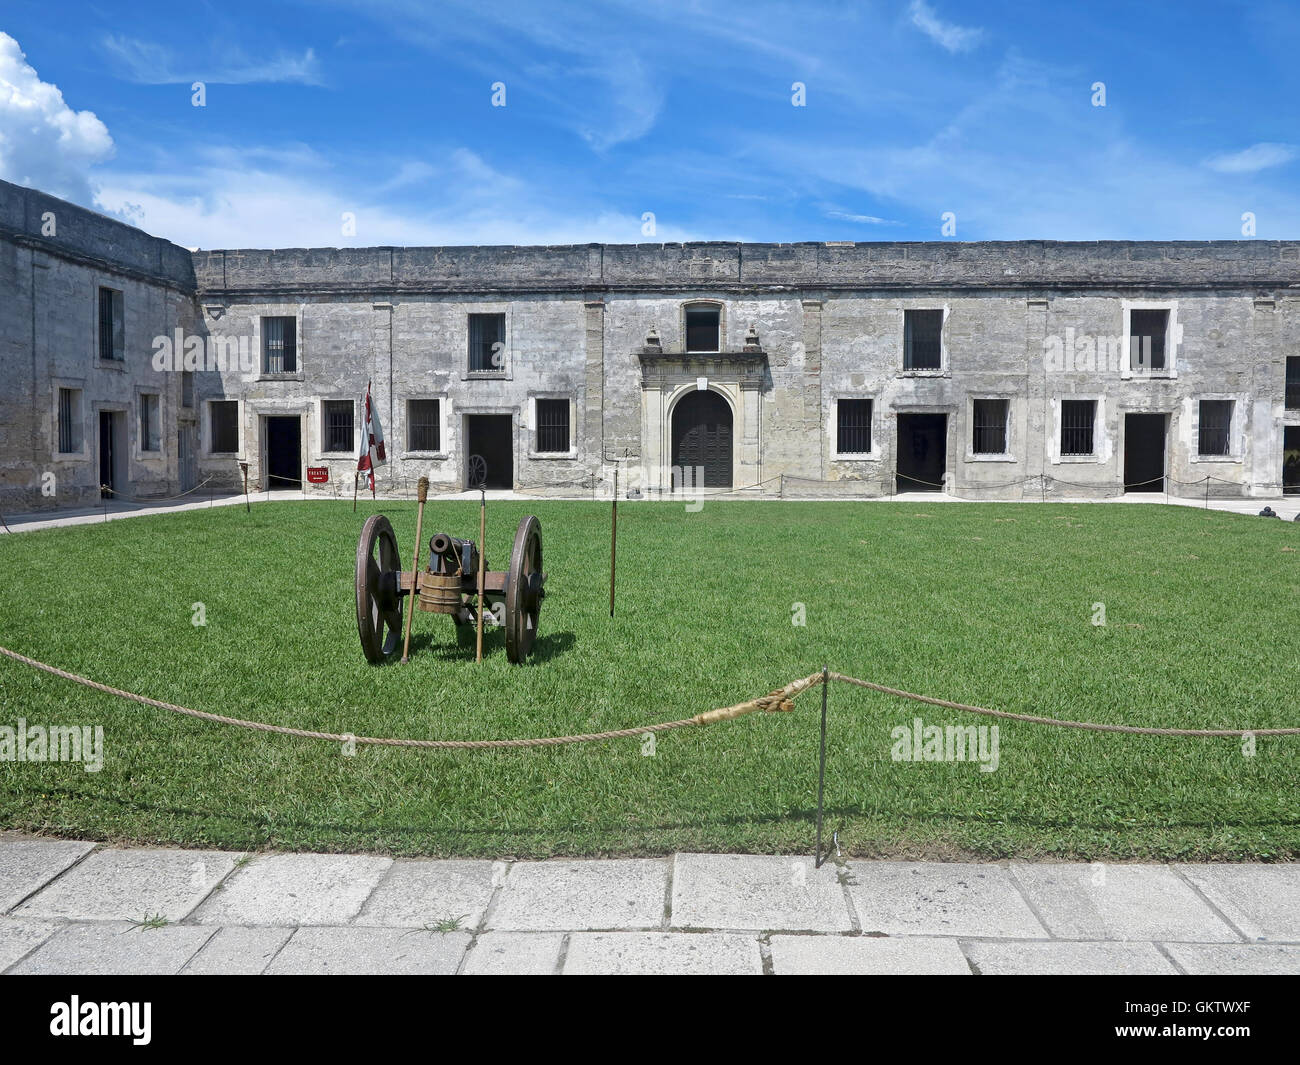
<point x="318" y="474"/>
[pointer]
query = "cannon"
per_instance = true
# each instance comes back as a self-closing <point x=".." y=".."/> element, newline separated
<point x="449" y="584"/>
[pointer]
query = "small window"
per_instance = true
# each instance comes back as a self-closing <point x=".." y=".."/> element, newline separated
<point x="187" y="388"/>
<point x="280" y="345"/>
<point x="1216" y="424"/>
<point x="922" y="340"/>
<point x="552" y="426"/>
<point x="1147" y="330"/>
<point x="487" y="343"/>
<point x="112" y="338"/>
<point x="336" y="432"/>
<point x="69" y="421"/>
<point x="224" y="417"/>
<point x="424" y="429"/>
<point x="149" y="422"/>
<point x="853" y="431"/>
<point x="990" y="433"/>
<point x="1077" y="419"/>
<point x="1293" y="382"/>
<point x="703" y="328"/>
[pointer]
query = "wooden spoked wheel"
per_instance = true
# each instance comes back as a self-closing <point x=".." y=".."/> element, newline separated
<point x="379" y="607"/>
<point x="524" y="590"/>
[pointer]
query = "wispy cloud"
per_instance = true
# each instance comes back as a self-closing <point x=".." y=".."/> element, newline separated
<point x="1253" y="159"/>
<point x="149" y="63"/>
<point x="946" y="35"/>
<point x="857" y="219"/>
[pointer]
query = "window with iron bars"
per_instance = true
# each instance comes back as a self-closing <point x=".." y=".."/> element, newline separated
<point x="112" y="343"/>
<point x="423" y="426"/>
<point x="853" y="428"/>
<point x="1147" y="330"/>
<point x="1215" y="427"/>
<point x="69" y="420"/>
<point x="1077" y="419"/>
<point x="487" y="343"/>
<point x="223" y="418"/>
<point x="1293" y="382"/>
<point x="990" y="432"/>
<point x="279" y="345"/>
<point x="553" y="426"/>
<point x="149" y="418"/>
<point x="922" y="340"/>
<point x="337" y="434"/>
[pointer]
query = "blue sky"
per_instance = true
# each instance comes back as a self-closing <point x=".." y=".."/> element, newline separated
<point x="383" y="109"/>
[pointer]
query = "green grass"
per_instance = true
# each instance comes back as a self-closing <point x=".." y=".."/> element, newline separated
<point x="981" y="603"/>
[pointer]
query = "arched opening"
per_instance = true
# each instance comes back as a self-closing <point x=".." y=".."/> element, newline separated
<point x="701" y="437"/>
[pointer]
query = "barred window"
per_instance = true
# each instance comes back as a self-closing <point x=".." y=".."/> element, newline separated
<point x="1293" y="382"/>
<point x="487" y="343"/>
<point x="187" y="388"/>
<point x="703" y="328"/>
<point x="69" y="420"/>
<point x="1147" y="330"/>
<point x="149" y="427"/>
<point x="223" y="416"/>
<point x="990" y="433"/>
<point x="853" y="431"/>
<point x="424" y="429"/>
<point x="1077" y="419"/>
<point x="336" y="433"/>
<point x="112" y="337"/>
<point x="922" y="336"/>
<point x="279" y="345"/>
<point x="1216" y="425"/>
<point x="553" y="426"/>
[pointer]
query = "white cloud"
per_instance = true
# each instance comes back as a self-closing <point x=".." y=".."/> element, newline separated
<point x="947" y="35"/>
<point x="859" y="219"/>
<point x="146" y="63"/>
<point x="1256" y="157"/>
<point x="43" y="142"/>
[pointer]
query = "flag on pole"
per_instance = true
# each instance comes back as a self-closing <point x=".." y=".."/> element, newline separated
<point x="372" y="444"/>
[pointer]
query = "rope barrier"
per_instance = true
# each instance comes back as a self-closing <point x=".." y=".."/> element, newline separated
<point x="152" y="499"/>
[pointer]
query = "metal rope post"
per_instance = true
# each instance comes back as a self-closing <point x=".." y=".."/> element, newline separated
<point x="821" y="767"/>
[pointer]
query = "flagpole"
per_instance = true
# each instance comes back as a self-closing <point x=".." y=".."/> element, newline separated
<point x="365" y="443"/>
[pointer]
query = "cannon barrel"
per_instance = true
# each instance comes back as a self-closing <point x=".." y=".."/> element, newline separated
<point x="455" y="553"/>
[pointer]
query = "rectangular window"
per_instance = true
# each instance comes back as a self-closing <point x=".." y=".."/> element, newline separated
<point x="69" y="420"/>
<point x="990" y="432"/>
<point x="922" y="340"/>
<point x="424" y="429"/>
<point x="553" y="426"/>
<point x="112" y="337"/>
<point x="1293" y="382"/>
<point x="703" y="328"/>
<point x="280" y="345"/>
<point x="487" y="343"/>
<point x="1146" y="331"/>
<point x="1216" y="425"/>
<point x="149" y="422"/>
<point x="336" y="433"/>
<point x="1077" y="419"/>
<point x="187" y="388"/>
<point x="224" y="433"/>
<point x="853" y="428"/>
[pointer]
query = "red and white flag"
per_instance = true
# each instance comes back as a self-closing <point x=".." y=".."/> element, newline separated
<point x="372" y="444"/>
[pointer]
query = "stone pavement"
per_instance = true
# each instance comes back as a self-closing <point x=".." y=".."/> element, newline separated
<point x="77" y="908"/>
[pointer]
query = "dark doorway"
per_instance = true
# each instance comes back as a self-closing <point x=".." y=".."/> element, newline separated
<point x="489" y="450"/>
<point x="283" y="453"/>
<point x="112" y="452"/>
<point x="702" y="438"/>
<point x="1291" y="460"/>
<point x="922" y="452"/>
<point x="1144" y="452"/>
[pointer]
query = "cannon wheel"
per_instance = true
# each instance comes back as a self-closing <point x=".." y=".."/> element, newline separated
<point x="379" y="609"/>
<point x="524" y="591"/>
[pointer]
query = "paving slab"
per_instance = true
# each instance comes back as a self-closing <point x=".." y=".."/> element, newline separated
<point x="18" y="936"/>
<point x="128" y="885"/>
<point x="1236" y="959"/>
<point x="370" y="951"/>
<point x="866" y="956"/>
<point x="302" y="889"/>
<point x="514" y="954"/>
<point x="244" y="951"/>
<point x="1263" y="901"/>
<point x="663" y="953"/>
<point x="758" y="891"/>
<point x="1054" y="958"/>
<point x="941" y="899"/>
<point x="26" y="865"/>
<point x="416" y="893"/>
<point x="1124" y="902"/>
<point x="115" y="948"/>
<point x="582" y="895"/>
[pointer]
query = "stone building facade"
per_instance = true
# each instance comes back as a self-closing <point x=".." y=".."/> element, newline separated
<point x="1028" y="369"/>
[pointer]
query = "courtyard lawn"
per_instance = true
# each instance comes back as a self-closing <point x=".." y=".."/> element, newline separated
<point x="985" y="603"/>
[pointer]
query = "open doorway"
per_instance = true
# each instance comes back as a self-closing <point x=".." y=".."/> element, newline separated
<point x="922" y="452"/>
<point x="489" y="450"/>
<point x="1144" y="452"/>
<point x="283" y="452"/>
<point x="1291" y="460"/>
<point x="112" y="452"/>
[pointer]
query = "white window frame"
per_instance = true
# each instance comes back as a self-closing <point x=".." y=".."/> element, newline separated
<point x="1236" y="428"/>
<point x="358" y="416"/>
<point x="833" y="427"/>
<point x="1173" y="341"/>
<point x="531" y="427"/>
<point x="721" y="308"/>
<point x="507" y="372"/>
<point x="1008" y="455"/>
<point x="444" y="438"/>
<point x="944" y="369"/>
<point x="1099" y="448"/>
